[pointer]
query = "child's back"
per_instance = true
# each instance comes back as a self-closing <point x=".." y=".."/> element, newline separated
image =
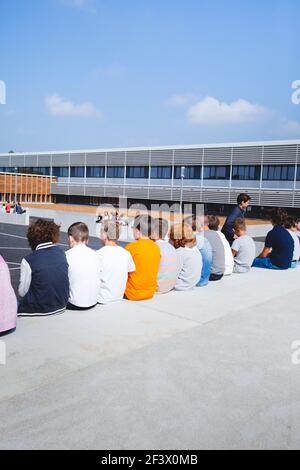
<point x="115" y="264"/>
<point x="8" y="301"/>
<point x="168" y="267"/>
<point x="244" y="247"/>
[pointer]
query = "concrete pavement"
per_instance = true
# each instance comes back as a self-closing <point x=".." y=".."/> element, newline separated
<point x="209" y="368"/>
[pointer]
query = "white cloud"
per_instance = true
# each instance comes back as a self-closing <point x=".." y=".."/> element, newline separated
<point x="58" y="106"/>
<point x="211" y="111"/>
<point x="180" y="100"/>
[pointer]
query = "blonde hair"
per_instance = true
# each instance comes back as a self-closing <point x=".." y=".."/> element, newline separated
<point x="182" y="235"/>
<point x="111" y="228"/>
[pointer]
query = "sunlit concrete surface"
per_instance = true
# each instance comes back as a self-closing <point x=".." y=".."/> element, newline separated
<point x="209" y="368"/>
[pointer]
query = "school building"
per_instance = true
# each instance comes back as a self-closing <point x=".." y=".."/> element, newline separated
<point x="212" y="174"/>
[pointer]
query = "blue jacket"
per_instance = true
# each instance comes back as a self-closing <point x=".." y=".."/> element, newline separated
<point x="227" y="228"/>
<point x="49" y="287"/>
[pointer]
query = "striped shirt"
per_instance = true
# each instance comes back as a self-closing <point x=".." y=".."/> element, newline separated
<point x="168" y="267"/>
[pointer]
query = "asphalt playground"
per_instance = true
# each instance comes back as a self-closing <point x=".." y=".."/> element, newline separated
<point x="14" y="247"/>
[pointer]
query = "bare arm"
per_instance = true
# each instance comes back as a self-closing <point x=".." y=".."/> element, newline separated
<point x="265" y="253"/>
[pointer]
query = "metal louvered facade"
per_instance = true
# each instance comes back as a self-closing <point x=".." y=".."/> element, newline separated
<point x="152" y="173"/>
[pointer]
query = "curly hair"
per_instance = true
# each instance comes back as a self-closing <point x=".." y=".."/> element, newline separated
<point x="278" y="216"/>
<point x="42" y="231"/>
<point x="181" y="235"/>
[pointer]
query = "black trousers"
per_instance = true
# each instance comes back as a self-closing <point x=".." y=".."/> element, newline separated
<point x="74" y="307"/>
<point x="215" y="277"/>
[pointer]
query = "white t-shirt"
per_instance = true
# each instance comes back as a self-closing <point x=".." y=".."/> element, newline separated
<point x="84" y="269"/>
<point x="229" y="262"/>
<point x="296" y="254"/>
<point x="115" y="264"/>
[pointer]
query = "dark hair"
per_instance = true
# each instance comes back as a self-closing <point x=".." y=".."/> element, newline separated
<point x="213" y="222"/>
<point x="297" y="221"/>
<point x="278" y="216"/>
<point x="79" y="231"/>
<point x="42" y="231"/>
<point x="143" y="223"/>
<point x="160" y="227"/>
<point x="243" y="197"/>
<point x="239" y="224"/>
<point x="289" y="222"/>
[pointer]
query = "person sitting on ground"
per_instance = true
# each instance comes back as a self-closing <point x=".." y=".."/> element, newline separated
<point x="83" y="269"/>
<point x="8" y="301"/>
<point x="115" y="264"/>
<point x="243" y="247"/>
<point x="218" y="251"/>
<point x="183" y="239"/>
<point x="204" y="246"/>
<point x="169" y="262"/>
<point x="279" y="244"/>
<point x="291" y="228"/>
<point x="214" y="224"/>
<point x="243" y="201"/>
<point x="142" y="283"/>
<point x="44" y="282"/>
<point x="19" y="209"/>
<point x="297" y="225"/>
<point x="8" y="207"/>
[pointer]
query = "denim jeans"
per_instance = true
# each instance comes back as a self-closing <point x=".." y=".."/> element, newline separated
<point x="264" y="263"/>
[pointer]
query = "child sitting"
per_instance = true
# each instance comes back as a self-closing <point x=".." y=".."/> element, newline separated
<point x="183" y="239"/>
<point x="44" y="282"/>
<point x="115" y="264"/>
<point x="142" y="283"/>
<point x="169" y="263"/>
<point x="83" y="269"/>
<point x="243" y="247"/>
<point x="8" y="301"/>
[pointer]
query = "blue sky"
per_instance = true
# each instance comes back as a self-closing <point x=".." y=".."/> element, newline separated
<point x="109" y="73"/>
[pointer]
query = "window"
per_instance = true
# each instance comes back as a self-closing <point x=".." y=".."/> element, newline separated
<point x="60" y="171"/>
<point x="115" y="172"/>
<point x="279" y="172"/>
<point x="77" y="171"/>
<point x="95" y="172"/>
<point x="137" y="172"/>
<point x="161" y="172"/>
<point x="40" y="170"/>
<point x="298" y="173"/>
<point x="246" y="172"/>
<point x="190" y="172"/>
<point x="216" y="172"/>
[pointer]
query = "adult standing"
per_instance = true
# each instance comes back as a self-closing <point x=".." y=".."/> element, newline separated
<point x="243" y="201"/>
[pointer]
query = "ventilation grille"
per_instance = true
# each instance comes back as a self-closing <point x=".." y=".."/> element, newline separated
<point x="247" y="155"/>
<point x="116" y="158"/>
<point x="161" y="157"/>
<point x="95" y="159"/>
<point x="280" y="154"/>
<point x="188" y="157"/>
<point x="138" y="158"/>
<point x="58" y="160"/>
<point x="219" y="155"/>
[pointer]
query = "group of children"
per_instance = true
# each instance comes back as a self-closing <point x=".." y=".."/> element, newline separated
<point x="189" y="254"/>
<point x="12" y="207"/>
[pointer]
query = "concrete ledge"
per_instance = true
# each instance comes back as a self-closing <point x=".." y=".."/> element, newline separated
<point x="15" y="219"/>
<point x="44" y="349"/>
